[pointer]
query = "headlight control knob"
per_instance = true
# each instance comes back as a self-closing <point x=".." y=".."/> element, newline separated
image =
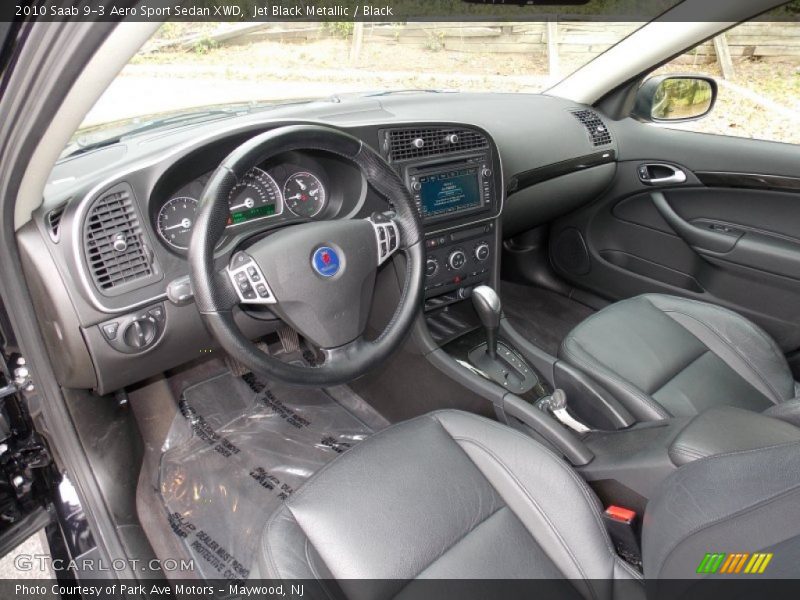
<point x="140" y="333"/>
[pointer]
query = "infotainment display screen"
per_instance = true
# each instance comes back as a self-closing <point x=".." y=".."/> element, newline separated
<point x="451" y="191"/>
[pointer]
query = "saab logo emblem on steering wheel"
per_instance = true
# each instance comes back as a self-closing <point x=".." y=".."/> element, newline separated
<point x="326" y="261"/>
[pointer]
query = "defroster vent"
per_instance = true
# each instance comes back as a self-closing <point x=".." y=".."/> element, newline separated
<point x="53" y="222"/>
<point x="413" y="143"/>
<point x="114" y="242"/>
<point x="598" y="132"/>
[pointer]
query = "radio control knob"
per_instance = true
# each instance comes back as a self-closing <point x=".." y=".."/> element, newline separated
<point x="457" y="259"/>
<point x="416" y="186"/>
<point x="431" y="267"/>
<point x="487" y="173"/>
<point x="482" y="251"/>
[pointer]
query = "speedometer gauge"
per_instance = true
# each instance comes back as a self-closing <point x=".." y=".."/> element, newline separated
<point x="304" y="194"/>
<point x="256" y="196"/>
<point x="175" y="221"/>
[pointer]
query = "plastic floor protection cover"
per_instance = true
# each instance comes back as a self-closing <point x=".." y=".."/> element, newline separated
<point x="238" y="450"/>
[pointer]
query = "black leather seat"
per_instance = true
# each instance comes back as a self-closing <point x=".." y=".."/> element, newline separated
<point x="664" y="356"/>
<point x="452" y="495"/>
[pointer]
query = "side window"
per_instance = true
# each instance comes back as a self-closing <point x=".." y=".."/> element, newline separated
<point x="757" y="68"/>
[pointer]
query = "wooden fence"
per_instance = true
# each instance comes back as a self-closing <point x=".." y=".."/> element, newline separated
<point x="767" y="41"/>
<point x="554" y="40"/>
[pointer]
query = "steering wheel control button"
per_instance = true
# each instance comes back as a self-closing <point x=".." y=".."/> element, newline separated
<point x="248" y="280"/>
<point x="387" y="235"/>
<point x="326" y="261"/>
<point x="240" y="259"/>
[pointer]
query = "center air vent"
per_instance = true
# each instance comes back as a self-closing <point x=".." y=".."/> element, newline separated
<point x="598" y="132"/>
<point x="114" y="242"/>
<point x="407" y="144"/>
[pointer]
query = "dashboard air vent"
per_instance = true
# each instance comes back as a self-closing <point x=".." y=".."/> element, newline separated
<point x="598" y="132"/>
<point x="53" y="221"/>
<point x="407" y="144"/>
<point x="113" y="241"/>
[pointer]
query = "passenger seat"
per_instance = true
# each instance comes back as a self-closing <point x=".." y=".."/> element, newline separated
<point x="664" y="356"/>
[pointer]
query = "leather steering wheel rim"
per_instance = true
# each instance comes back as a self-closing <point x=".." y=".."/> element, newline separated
<point x="216" y="296"/>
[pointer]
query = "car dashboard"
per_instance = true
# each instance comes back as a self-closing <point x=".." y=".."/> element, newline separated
<point x="106" y="253"/>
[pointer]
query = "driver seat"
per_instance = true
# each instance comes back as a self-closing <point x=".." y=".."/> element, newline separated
<point x="451" y="495"/>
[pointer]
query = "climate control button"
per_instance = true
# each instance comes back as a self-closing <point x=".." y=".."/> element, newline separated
<point x="457" y="259"/>
<point x="482" y="251"/>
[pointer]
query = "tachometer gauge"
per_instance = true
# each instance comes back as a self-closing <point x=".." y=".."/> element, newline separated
<point x="256" y="196"/>
<point x="175" y="221"/>
<point x="304" y="194"/>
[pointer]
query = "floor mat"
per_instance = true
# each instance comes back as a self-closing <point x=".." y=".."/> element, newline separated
<point x="543" y="317"/>
<point x="240" y="448"/>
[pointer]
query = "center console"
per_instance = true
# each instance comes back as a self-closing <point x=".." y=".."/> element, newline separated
<point x="454" y="176"/>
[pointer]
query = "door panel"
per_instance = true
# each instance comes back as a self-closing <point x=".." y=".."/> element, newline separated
<point x="727" y="235"/>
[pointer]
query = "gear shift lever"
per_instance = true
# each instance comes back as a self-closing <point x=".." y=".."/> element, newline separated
<point x="497" y="361"/>
<point x="487" y="305"/>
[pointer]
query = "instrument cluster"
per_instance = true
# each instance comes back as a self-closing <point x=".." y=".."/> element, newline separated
<point x="293" y="191"/>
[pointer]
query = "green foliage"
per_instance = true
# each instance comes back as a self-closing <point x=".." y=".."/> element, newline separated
<point x="342" y="29"/>
<point x="204" y="45"/>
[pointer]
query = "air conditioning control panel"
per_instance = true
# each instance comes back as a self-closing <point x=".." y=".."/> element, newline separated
<point x="458" y="261"/>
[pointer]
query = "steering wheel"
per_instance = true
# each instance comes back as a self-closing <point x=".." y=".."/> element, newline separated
<point x="318" y="277"/>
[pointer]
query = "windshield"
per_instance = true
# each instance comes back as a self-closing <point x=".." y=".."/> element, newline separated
<point x="190" y="66"/>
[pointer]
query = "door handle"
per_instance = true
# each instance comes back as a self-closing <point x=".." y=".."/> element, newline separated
<point x="702" y="239"/>
<point x="661" y="174"/>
